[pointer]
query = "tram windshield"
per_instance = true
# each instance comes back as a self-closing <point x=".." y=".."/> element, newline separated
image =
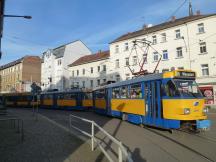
<point x="187" y="88"/>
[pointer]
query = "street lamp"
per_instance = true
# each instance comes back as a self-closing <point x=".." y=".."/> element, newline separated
<point x="26" y="17"/>
<point x="1" y="20"/>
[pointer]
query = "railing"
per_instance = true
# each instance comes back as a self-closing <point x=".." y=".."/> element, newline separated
<point x="15" y="120"/>
<point x="121" y="149"/>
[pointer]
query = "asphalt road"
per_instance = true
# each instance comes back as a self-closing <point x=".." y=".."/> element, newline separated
<point x="146" y="144"/>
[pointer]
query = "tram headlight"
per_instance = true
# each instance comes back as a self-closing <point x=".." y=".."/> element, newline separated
<point x="205" y="109"/>
<point x="186" y="111"/>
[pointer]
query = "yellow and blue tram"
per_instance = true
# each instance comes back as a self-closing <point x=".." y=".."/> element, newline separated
<point x="169" y="100"/>
<point x="17" y="99"/>
<point x="71" y="100"/>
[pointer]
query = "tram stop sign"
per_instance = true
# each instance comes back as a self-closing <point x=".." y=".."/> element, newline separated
<point x="35" y="89"/>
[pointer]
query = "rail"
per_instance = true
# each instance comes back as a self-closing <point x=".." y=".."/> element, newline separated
<point x="121" y="149"/>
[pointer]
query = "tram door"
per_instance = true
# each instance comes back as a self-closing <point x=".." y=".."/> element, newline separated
<point x="153" y="103"/>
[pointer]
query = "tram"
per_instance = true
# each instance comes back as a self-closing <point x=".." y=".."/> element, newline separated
<point x="71" y="100"/>
<point x="169" y="100"/>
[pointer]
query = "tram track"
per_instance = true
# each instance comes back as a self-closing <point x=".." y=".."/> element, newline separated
<point x="199" y="136"/>
<point x="180" y="144"/>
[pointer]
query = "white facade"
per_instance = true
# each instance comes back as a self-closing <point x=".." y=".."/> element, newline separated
<point x="190" y="45"/>
<point x="54" y="70"/>
<point x="92" y="73"/>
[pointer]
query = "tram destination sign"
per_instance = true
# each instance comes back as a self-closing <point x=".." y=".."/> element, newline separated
<point x="186" y="74"/>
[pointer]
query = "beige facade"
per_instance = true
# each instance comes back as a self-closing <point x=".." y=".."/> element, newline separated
<point x="18" y="75"/>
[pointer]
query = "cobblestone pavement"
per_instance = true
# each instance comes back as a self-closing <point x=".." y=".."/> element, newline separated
<point x="43" y="141"/>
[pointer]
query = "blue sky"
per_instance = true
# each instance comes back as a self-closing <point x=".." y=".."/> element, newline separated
<point x="95" y="22"/>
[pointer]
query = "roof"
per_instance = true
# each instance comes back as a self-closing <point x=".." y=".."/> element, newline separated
<point x="12" y="63"/>
<point x="17" y="62"/>
<point x="162" y="26"/>
<point x="91" y="58"/>
<point x="59" y="51"/>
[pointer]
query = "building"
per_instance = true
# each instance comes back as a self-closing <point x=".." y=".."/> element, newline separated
<point x="184" y="43"/>
<point x="90" y="71"/>
<point x="17" y="76"/>
<point x="54" y="71"/>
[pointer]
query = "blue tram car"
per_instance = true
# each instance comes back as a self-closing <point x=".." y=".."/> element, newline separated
<point x="169" y="100"/>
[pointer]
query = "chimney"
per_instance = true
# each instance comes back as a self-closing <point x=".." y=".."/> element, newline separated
<point x="173" y="18"/>
<point x="198" y="12"/>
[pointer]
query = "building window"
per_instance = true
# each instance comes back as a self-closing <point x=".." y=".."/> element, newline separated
<point x="179" y="52"/>
<point x="91" y="69"/>
<point x="98" y="68"/>
<point x="117" y="49"/>
<point x="91" y="83"/>
<point x="156" y="71"/>
<point x="155" y="56"/>
<point x="104" y="80"/>
<point x="178" y="34"/>
<point x="126" y="47"/>
<point x="201" y="28"/>
<point x="72" y="73"/>
<point x="127" y="76"/>
<point x="144" y="42"/>
<point x="145" y="58"/>
<point x="134" y="60"/>
<point x="165" y="70"/>
<point x="205" y="69"/>
<point x="104" y="68"/>
<point x="83" y="71"/>
<point x="59" y="62"/>
<point x="77" y="72"/>
<point x="154" y="39"/>
<point x="98" y="82"/>
<point x="127" y="61"/>
<point x="117" y="78"/>
<point x="83" y="84"/>
<point x="181" y="68"/>
<point x="203" y="47"/>
<point x="165" y="55"/>
<point x="163" y="37"/>
<point x="117" y="63"/>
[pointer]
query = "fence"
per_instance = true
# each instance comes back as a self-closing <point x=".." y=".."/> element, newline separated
<point x="121" y="149"/>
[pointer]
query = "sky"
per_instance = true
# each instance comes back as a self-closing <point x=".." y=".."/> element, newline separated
<point x="94" y="22"/>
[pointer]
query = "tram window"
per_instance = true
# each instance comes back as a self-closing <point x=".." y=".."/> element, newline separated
<point x="100" y="94"/>
<point x="171" y="89"/>
<point x="124" y="92"/>
<point x="69" y="96"/>
<point x="47" y="96"/>
<point x="87" y="96"/>
<point x="60" y="96"/>
<point x="116" y="93"/>
<point x="135" y="91"/>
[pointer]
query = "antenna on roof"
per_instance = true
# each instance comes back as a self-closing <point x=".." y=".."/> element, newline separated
<point x="190" y="8"/>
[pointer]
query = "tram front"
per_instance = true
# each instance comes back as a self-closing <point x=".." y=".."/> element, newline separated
<point x="183" y="101"/>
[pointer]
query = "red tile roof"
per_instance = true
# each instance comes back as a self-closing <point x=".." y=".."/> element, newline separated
<point x="91" y="58"/>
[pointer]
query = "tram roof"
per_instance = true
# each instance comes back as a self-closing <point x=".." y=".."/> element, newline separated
<point x="137" y="80"/>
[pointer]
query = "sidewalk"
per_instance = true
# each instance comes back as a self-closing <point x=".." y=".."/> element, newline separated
<point x="43" y="141"/>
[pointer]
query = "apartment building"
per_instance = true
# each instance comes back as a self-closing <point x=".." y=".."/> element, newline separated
<point x="17" y="76"/>
<point x="90" y="71"/>
<point x="184" y="43"/>
<point x="54" y="71"/>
